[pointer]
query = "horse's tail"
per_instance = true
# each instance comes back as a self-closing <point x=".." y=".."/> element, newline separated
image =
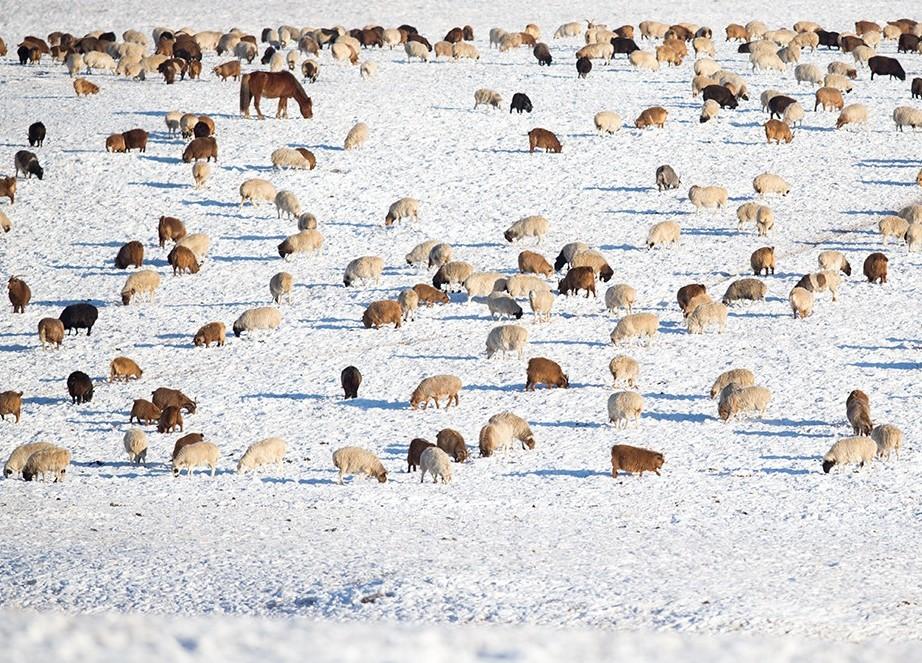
<point x="245" y="94"/>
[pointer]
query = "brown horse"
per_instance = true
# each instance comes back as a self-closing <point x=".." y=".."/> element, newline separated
<point x="274" y="84"/>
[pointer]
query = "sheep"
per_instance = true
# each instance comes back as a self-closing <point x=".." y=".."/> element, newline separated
<point x="463" y="50"/>
<point x="80" y="387"/>
<point x="584" y="66"/>
<point x="19" y="293"/>
<point x="706" y="67"/>
<point x="607" y="122"/>
<point x="405" y="208"/>
<point x="571" y="29"/>
<point x="415" y="450"/>
<point x="907" y="116"/>
<point x="435" y="462"/>
<point x="50" y="332"/>
<point x="722" y="95"/>
<point x="808" y="73"/>
<point x="429" y="295"/>
<point x="135" y="442"/>
<point x="286" y="157"/>
<point x="892" y="226"/>
<point x="439" y="254"/>
<point x="709" y="111"/>
<point x="547" y="372"/>
<point x="623" y="407"/>
<point x="735" y="399"/>
<point x="502" y="305"/>
<point x="10" y="403"/>
<point x="829" y="98"/>
<point x="213" y="332"/>
<point x="203" y="147"/>
<point x="263" y="317"/>
<point x="197" y="243"/>
<point x="841" y="69"/>
<point x="364" y="269"/>
<point x="884" y="66"/>
<point x="838" y="82"/>
<point x="578" y="278"/>
<point x="529" y="226"/>
<point x="852" y="114"/>
<point x="124" y="368"/>
<point x="889" y="439"/>
<point x="913" y="237"/>
<point x="770" y="183"/>
<point x="182" y="259"/>
<point x="84" y="88"/>
<point x="652" y="29"/>
<point x="534" y="263"/>
<point x="79" y="316"/>
<point x="501" y="430"/>
<point x="451" y="442"/>
<point x="270" y="451"/>
<point x="187" y="124"/>
<point x="664" y="232"/>
<point x="709" y="313"/>
<point x="256" y="189"/>
<point x="98" y="60"/>
<point x="356" y="137"/>
<point x="281" y="285"/>
<point x="170" y="228"/>
<point x="144" y="411"/>
<point x="778" y="132"/>
<point x="767" y="62"/>
<point x="620" y="295"/>
<point x="703" y="46"/>
<point x="801" y="301"/>
<point x="115" y="143"/>
<point x="790" y="54"/>
<point x="481" y="284"/>
<point x="594" y="260"/>
<point x="541" y="303"/>
<point x="170" y="419"/>
<point x="741" y="377"/>
<point x="850" y="451"/>
<point x="191" y="456"/>
<point x="520" y="103"/>
<point x="603" y="51"/>
<point x="655" y="117"/>
<point x="350" y="378"/>
<point x="5" y="224"/>
<point x="507" y="338"/>
<point x="912" y="213"/>
<point x="287" y="202"/>
<point x="434" y="388"/>
<point x="630" y="459"/>
<point x="383" y="312"/>
<point x="227" y="70"/>
<point x="746" y="288"/>
<point x="143" y="282"/>
<point x="416" y="50"/>
<point x="20" y="456"/>
<point x="543" y="139"/>
<point x="835" y="261"/>
<point x="858" y="412"/>
<point x="355" y="460"/>
<point x="163" y="397"/>
<point x="442" y="49"/>
<point x="452" y="274"/>
<point x="763" y="259"/>
<point x="635" y="325"/>
<point x="26" y="162"/>
<point x="200" y="173"/>
<point x="74" y="63"/>
<point x="760" y="214"/>
<point x="305" y="241"/>
<point x="875" y="268"/>
<point x="307" y="221"/>
<point x="666" y="178"/>
<point x="8" y="190"/>
<point x="708" y="197"/>
<point x="44" y="461"/>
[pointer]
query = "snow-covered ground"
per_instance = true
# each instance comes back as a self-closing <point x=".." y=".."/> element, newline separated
<point x="742" y="533"/>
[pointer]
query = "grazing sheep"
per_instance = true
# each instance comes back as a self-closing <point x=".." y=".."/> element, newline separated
<point x="735" y="399"/>
<point x="838" y="82"/>
<point x="666" y="178"/>
<point x="595" y="260"/>
<point x="541" y="303"/>
<point x="20" y="456"/>
<point x="5" y="224"/>
<point x="382" y="312"/>
<point x="820" y="282"/>
<point x="624" y="368"/>
<point x="889" y="439"/>
<point x="529" y="226"/>
<point x="263" y="317"/>
<point x="10" y="403"/>
<point x="279" y="285"/>
<point x="620" y="295"/>
<point x="875" y="268"/>
<point x="183" y="260"/>
<point x="463" y="50"/>
<point x="643" y="60"/>
<point x="501" y="305"/>
<point x="429" y="295"/>
<point x="543" y="139"/>
<point x="451" y="442"/>
<point x="793" y="114"/>
<point x="287" y="202"/>
<point x="567" y="253"/>
<point x="435" y="462"/>
<point x="507" y="338"/>
<point x="44" y="461"/>
<point x="635" y="325"/>
<point x="203" y="147"/>
<point x="200" y="173"/>
<point x="777" y="131"/>
<point x="709" y="111"/>
<point x="834" y="261"/>
<point x="50" y="332"/>
<point x="26" y="162"/>
<point x="84" y="88"/>
<point x="742" y="377"/>
<point x="356" y="137"/>
<point x="405" y="208"/>
<point x="143" y="282"/>
<point x="884" y="66"/>
<point x="534" y="263"/>
<point x="482" y="284"/>
<point x="286" y="157"/>
<point x="163" y="397"/>
<point x="722" y="95"/>
<point x="170" y="228"/>
<point x="227" y="70"/>
<point x="501" y="430"/>
<point x="767" y="62"/>
<point x="623" y="407"/>
<point x="79" y="316"/>
<point x="305" y="241"/>
<point x="852" y="114"/>
<point x="913" y="237"/>
<point x="144" y="411"/>
<point x="434" y="388"/>
<point x="115" y="143"/>
<point x="801" y="301"/>
<point x="355" y="460"/>
<point x="520" y="103"/>
<point x="912" y="213"/>
<point x="750" y="212"/>
<point x="706" y="67"/>
<point x="584" y="66"/>
<point x="124" y="368"/>
<point x="8" y="190"/>
<point x="439" y="254"/>
<point x="364" y="269"/>
<point x="191" y="456"/>
<point x="652" y="117"/>
<point x="310" y="69"/>
<point x="270" y="451"/>
<point x="350" y="378"/>
<point x="850" y="451"/>
<point x="809" y="73"/>
<point x="416" y="50"/>
<point x="307" y="221"/>
<point x="607" y="122"/>
<point x="545" y="371"/>
<point x="710" y="313"/>
<point x="578" y="278"/>
<point x="842" y="69"/>
<point x="626" y="458"/>
<point x="892" y="226"/>
<point x="256" y="189"/>
<point x="417" y="446"/>
<point x="409" y="302"/>
<point x="858" y="412"/>
<point x="453" y="275"/>
<point x="213" y="332"/>
<point x="907" y="116"/>
<point x="770" y="183"/>
<point x="708" y="197"/>
<point x="135" y="442"/>
<point x="571" y="29"/>
<point x="80" y="387"/>
<point x="170" y="419"/>
<point x="746" y="288"/>
<point x="829" y="98"/>
<point x="664" y="232"/>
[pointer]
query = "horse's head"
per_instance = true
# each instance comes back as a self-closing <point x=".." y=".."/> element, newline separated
<point x="306" y="108"/>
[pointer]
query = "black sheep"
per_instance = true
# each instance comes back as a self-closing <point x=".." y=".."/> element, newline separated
<point x="36" y="134"/>
<point x="520" y="102"/>
<point x="79" y="316"/>
<point x="350" y="378"/>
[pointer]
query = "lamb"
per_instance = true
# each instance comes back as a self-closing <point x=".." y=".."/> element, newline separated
<point x="11" y="403"/>
<point x="858" y="411"/>
<point x="439" y="254"/>
<point x="84" y="88"/>
<point x="578" y="278"/>
<point x="405" y="208"/>
<point x="742" y="377"/>
<point x="435" y="462"/>
<point x="850" y="451"/>
<point x="709" y="111"/>
<point x="123" y="368"/>
<point x="624" y="406"/>
<point x="809" y="73"/>
<point x="545" y="371"/>
<point x="305" y="241"/>
<point x="135" y="442"/>
<point x="875" y="268"/>
<point x="286" y="157"/>
<point x="626" y="458"/>
<point x="607" y="122"/>
<point x="287" y="202"/>
<point x="829" y="98"/>
<point x="434" y="388"/>
<point x="852" y="114"/>
<point x="213" y="332"/>
<point x="44" y="461"/>
<point x="254" y="190"/>
<point x="541" y="303"/>
<point x="429" y="295"/>
<point x="203" y="147"/>
<point x="746" y="288"/>
<point x="417" y="446"/>
<point x="263" y="317"/>
<point x="452" y="274"/>
<point x="355" y="460"/>
<point x="595" y="260"/>
<point x="416" y="50"/>
<point x="711" y="313"/>
<point x="364" y="269"/>
<point x="892" y="226"/>
<point x="20" y="456"/>
<point x="735" y="400"/>
<point x="770" y="183"/>
<point x="183" y="260"/>
<point x="451" y="442"/>
<point x="635" y="325"/>
<point x="835" y="261"/>
<point x="620" y="295"/>
<point x="501" y="430"/>
<point x="270" y="451"/>
<point x="19" y="293"/>
<point x="170" y="419"/>
<point x="144" y="411"/>
<point x="889" y="439"/>
<point x="383" y="312"/>
<point x="907" y="116"/>
<point x="502" y="305"/>
<point x="652" y="117"/>
<point x="666" y="178"/>
<point x="356" y="137"/>
<point x="191" y="456"/>
<point x="708" y="197"/>
<point x="664" y="232"/>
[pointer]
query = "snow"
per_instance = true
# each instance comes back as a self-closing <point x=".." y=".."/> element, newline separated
<point x="742" y="547"/>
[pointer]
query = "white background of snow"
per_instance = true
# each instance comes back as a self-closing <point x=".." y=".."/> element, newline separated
<point x="742" y="533"/>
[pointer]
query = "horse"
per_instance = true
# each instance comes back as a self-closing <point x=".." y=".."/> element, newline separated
<point x="274" y="84"/>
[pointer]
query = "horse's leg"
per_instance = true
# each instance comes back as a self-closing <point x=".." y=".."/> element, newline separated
<point x="283" y="107"/>
<point x="256" y="98"/>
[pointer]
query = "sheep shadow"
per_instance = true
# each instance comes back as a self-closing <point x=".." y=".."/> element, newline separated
<point x="891" y="365"/>
<point x="783" y="470"/>
<point x="773" y="433"/>
<point x="775" y="457"/>
<point x="575" y="474"/>
<point x="889" y="183"/>
<point x="167" y="160"/>
<point x="678" y="416"/>
<point x="372" y="404"/>
<point x="240" y="258"/>
<point x="216" y="203"/>
<point x="439" y="357"/>
<point x="621" y="189"/>
<point x="160" y="185"/>
<point x="492" y="387"/>
<point x="15" y="348"/>
<point x="42" y="400"/>
<point x="569" y="424"/>
<point x="679" y="397"/>
<point x="289" y="396"/>
<point x="793" y="423"/>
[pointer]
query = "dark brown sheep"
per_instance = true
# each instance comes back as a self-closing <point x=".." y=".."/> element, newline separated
<point x="185" y="441"/>
<point x="543" y="139"/>
<point x="310" y="70"/>
<point x="858" y="411"/>
<point x="144" y="411"/>
<point x="884" y="66"/>
<point x="578" y="278"/>
<point x="429" y="295"/>
<point x="350" y="378"/>
<point x="849" y="43"/>
<point x="634" y="459"/>
<point x="468" y="33"/>
<point x="170" y="420"/>
<point x="208" y="122"/>
<point x="454" y="36"/>
<point x="417" y="447"/>
<point x="213" y="332"/>
<point x="183" y="260"/>
<point x="383" y="312"/>
<point x="135" y="139"/>
<point x="308" y="155"/>
<point x="10" y="403"/>
<point x="875" y="268"/>
<point x="583" y="67"/>
<point x="763" y="260"/>
<point x="778" y="104"/>
<point x="688" y="292"/>
<point x="170" y="228"/>
<point x="547" y="372"/>
<point x="19" y="293"/>
<point x="130" y="255"/>
<point x="542" y="54"/>
<point x="451" y="442"/>
<point x="164" y="396"/>
<point x="80" y="387"/>
<point x="201" y="148"/>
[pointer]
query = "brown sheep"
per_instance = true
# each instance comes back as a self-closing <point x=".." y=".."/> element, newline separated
<point x="829" y="98"/>
<point x="170" y="228"/>
<point x="20" y="294"/>
<point x="170" y="420"/>
<point x="417" y="447"/>
<point x="207" y="129"/>
<point x="8" y="188"/>
<point x="195" y="70"/>
<point x="687" y="293"/>
<point x="875" y="268"/>
<point x="51" y="332"/>
<point x="185" y="441"/>
<point x="116" y="143"/>
<point x="543" y="139"/>
<point x="164" y="396"/>
<point x="213" y="332"/>
<point x="547" y="372"/>
<point x="350" y="379"/>
<point x="763" y="260"/>
<point x="429" y="295"/>
<point x="534" y="263"/>
<point x="776" y="130"/>
<point x="451" y="442"/>
<point x="123" y="368"/>
<point x="144" y="411"/>
<point x="736" y="32"/>
<point x="858" y="411"/>
<point x="578" y="278"/>
<point x="228" y="70"/>
<point x="183" y="260"/>
<point x="652" y="117"/>
<point x="634" y="459"/>
<point x="204" y="147"/>
<point x="382" y="313"/>
<point x="135" y="139"/>
<point x="84" y="88"/>
<point x="10" y="403"/>
<point x="308" y="155"/>
<point x="130" y="255"/>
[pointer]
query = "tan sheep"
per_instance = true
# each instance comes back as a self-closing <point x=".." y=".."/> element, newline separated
<point x="357" y="136"/>
<point x="213" y="332"/>
<point x="307" y="241"/>
<point x="892" y="226"/>
<point x="636" y="325"/>
<point x="262" y="317"/>
<point x="135" y="442"/>
<point x="280" y="285"/>
<point x="624" y="407"/>
<point x="529" y="226"/>
<point x="20" y="456"/>
<point x="735" y="400"/>
<point x="123" y="368"/>
<point x="541" y="303"/>
<point x="742" y="377"/>
<point x="256" y="189"/>
<point x="889" y="439"/>
<point x="801" y="301"/>
<point x="47" y="461"/>
<point x="382" y="312"/>
<point x="770" y="183"/>
<point x="624" y="368"/>
<point x="664" y="232"/>
<point x="708" y="197"/>
<point x="763" y="259"/>
<point x="355" y="460"/>
<point x="270" y="451"/>
<point x="409" y="302"/>
<point x="619" y="296"/>
<point x="507" y="338"/>
<point x="711" y="313"/>
<point x="434" y="388"/>
<point x="199" y="454"/>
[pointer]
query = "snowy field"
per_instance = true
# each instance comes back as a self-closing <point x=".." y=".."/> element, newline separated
<point x="743" y="547"/>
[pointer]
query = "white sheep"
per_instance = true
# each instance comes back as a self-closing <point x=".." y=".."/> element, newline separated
<point x="357" y="135"/>
<point x="198" y="243"/>
<point x="624" y="368"/>
<point x="20" y="455"/>
<point x="286" y="157"/>
<point x="277" y="61"/>
<point x="172" y="121"/>
<point x="369" y="69"/>
<point x="405" y="208"/>
<point x="703" y="46"/>
<point x="98" y="60"/>
<point x="519" y="285"/>
<point x="834" y="261"/>
<point x="5" y="224"/>
<point x="607" y="122"/>
<point x="391" y="38"/>
<point x="863" y="53"/>
<point x="838" y="82"/>
<point x="709" y="111"/>
<point x="892" y="226"/>
<point x="664" y="232"/>
<point x="620" y="295"/>
<point x="201" y="171"/>
<point x="345" y="50"/>
<point x="571" y="29"/>
<point x="889" y="439"/>
<point x="142" y="282"/>
<point x="850" y="451"/>
<point x="263" y="317"/>
<point x="794" y="114"/>
<point x="790" y="54"/>
<point x="281" y="285"/>
<point x="914" y="237"/>
<point x="436" y="463"/>
<point x="420" y="253"/>
<point x="750" y="212"/>
<point x="355" y="460"/>
<point x="497" y="34"/>
<point x="409" y="302"/>
<point x="501" y="430"/>
<point x="635" y="325"/>
<point x="644" y="60"/>
<point x="708" y="197"/>
<point x="801" y="301"/>
<point x="599" y="51"/>
<point x="364" y="269"/>
<point x="808" y="73"/>
<point x="501" y="305"/>
<point x="434" y="388"/>
<point x="287" y="202"/>
<point x="541" y="303"/>
<point x="481" y="284"/>
<point x="47" y="461"/>
<point x="487" y="97"/>
<point x="270" y="451"/>
<point x="135" y="442"/>
<point x="199" y="454"/>
<point x="706" y="67"/>
<point x="256" y="189"/>
<point x="529" y="226"/>
<point x="907" y="116"/>
<point x="767" y="62"/>
<point x="416" y="50"/>
<point x="853" y="114"/>
<point x="305" y="241"/>
<point x="463" y="50"/>
<point x="291" y="59"/>
<point x="735" y="400"/>
<point x="624" y="407"/>
<point x="74" y="63"/>
<point x="767" y="96"/>
<point x="452" y="275"/>
<point x="770" y="183"/>
<point x="440" y="254"/>
<point x="742" y="377"/>
<point x="507" y="338"/>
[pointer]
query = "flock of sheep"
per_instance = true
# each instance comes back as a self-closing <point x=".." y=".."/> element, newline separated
<point x="176" y="55"/>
